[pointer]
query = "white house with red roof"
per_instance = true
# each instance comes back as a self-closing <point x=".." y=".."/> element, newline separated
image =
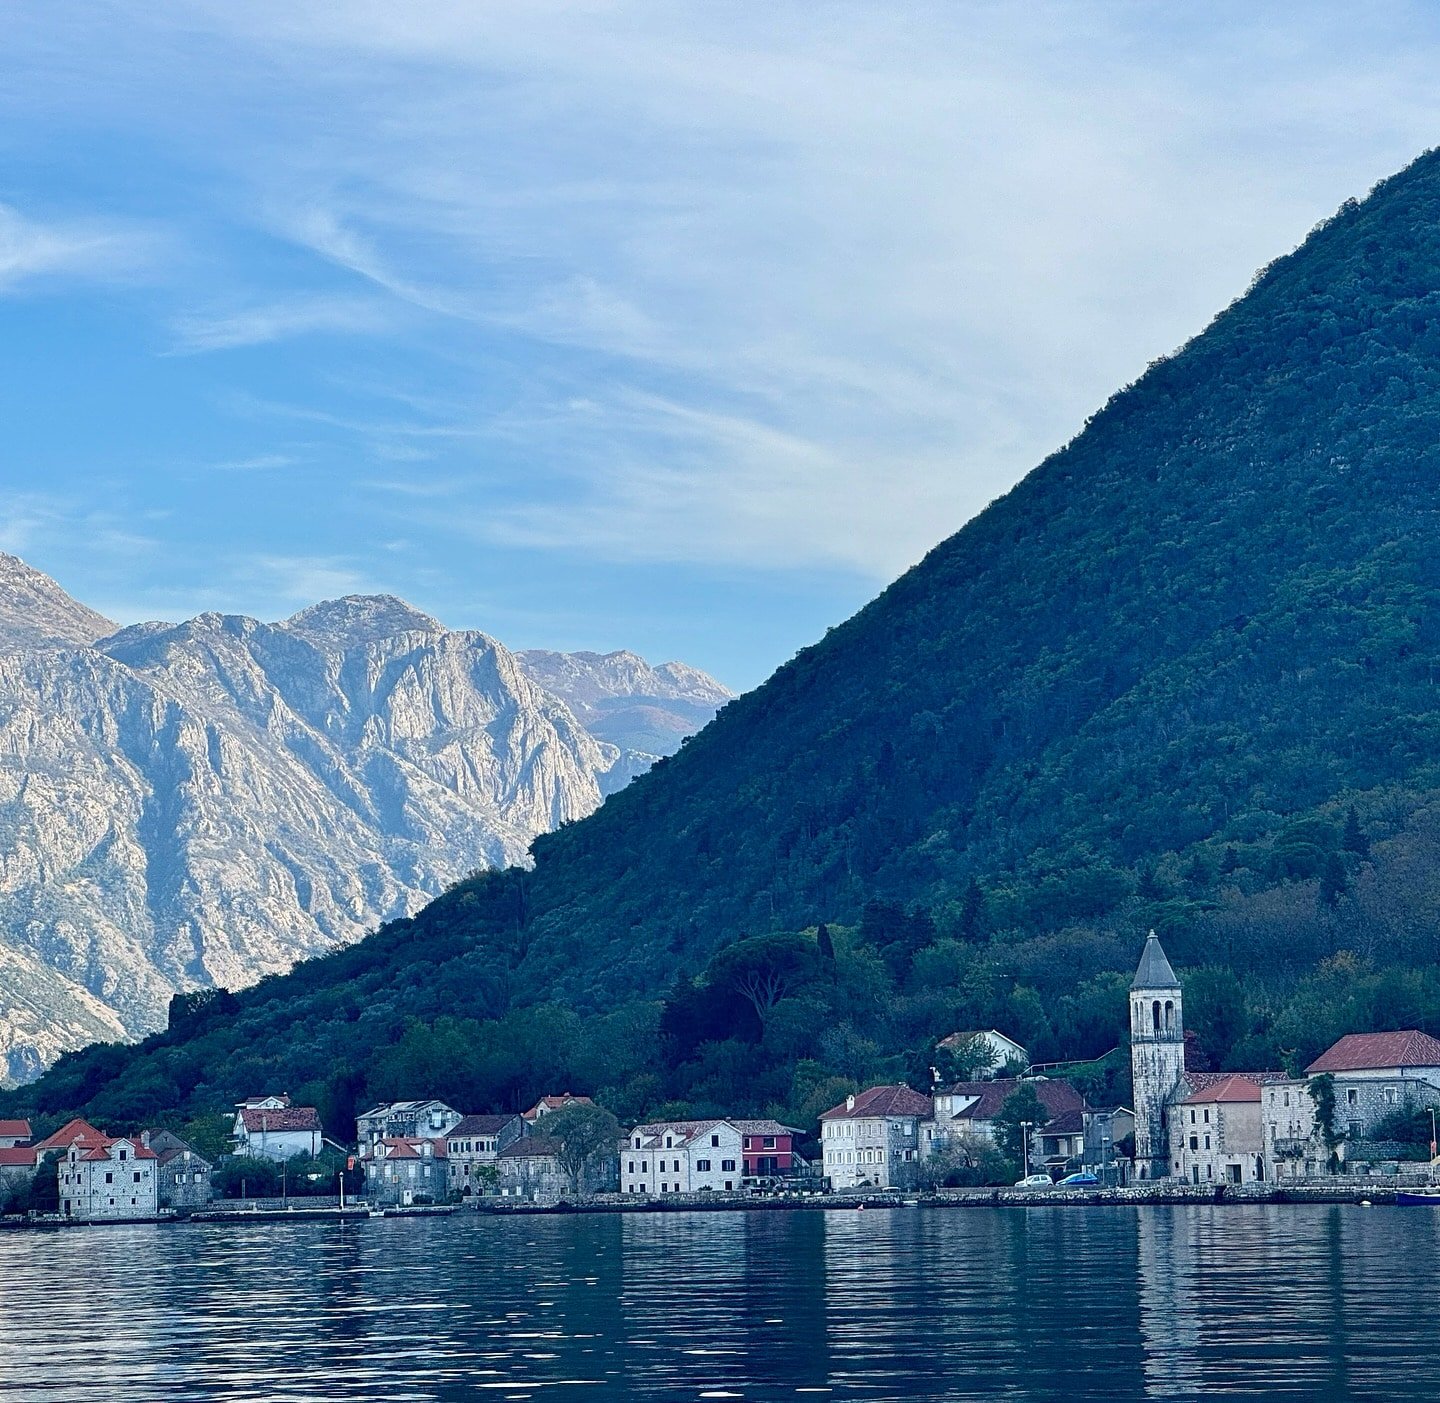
<point x="14" y="1133"/>
<point x="546" y="1104"/>
<point x="872" y="1140"/>
<point x="269" y="1127"/>
<point x="1377" y="1074"/>
<point x="682" y="1157"/>
<point x="1217" y="1135"/>
<point x="115" y="1180"/>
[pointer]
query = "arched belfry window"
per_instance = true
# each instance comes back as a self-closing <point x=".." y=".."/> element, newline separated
<point x="1169" y="1016"/>
<point x="1155" y="1015"/>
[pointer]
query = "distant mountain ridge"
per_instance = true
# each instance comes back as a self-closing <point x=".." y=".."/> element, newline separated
<point x="206" y="802"/>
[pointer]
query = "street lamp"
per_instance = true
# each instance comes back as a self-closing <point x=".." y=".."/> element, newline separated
<point x="1025" y="1126"/>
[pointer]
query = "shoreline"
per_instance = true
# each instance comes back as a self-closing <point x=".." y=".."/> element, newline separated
<point x="1149" y="1196"/>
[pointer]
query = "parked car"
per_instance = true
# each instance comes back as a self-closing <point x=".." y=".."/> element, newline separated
<point x="1082" y="1180"/>
<point x="1035" y="1181"/>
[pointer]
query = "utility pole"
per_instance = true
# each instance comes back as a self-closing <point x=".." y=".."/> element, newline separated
<point x="1025" y="1130"/>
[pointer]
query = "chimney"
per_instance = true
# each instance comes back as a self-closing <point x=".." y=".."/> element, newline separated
<point x="145" y="1138"/>
<point x="849" y="1103"/>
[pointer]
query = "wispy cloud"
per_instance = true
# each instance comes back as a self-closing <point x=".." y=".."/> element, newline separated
<point x="32" y="250"/>
<point x="275" y="321"/>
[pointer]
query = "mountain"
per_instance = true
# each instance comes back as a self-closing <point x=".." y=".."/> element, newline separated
<point x="1186" y="673"/>
<point x="645" y="711"/>
<point x="184" y="805"/>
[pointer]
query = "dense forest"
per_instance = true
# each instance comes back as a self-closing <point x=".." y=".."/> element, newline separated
<point x="1185" y="675"/>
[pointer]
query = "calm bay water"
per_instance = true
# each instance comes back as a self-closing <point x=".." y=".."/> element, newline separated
<point x="1055" y="1303"/>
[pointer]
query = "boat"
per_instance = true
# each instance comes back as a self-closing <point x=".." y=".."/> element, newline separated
<point x="1418" y="1198"/>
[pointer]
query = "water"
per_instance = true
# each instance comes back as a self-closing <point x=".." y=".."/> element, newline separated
<point x="1046" y="1303"/>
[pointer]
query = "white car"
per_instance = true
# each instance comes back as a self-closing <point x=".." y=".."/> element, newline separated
<point x="1035" y="1181"/>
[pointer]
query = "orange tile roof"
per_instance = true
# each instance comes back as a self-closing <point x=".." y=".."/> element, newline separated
<point x="1232" y="1088"/>
<point x="1372" y="1052"/>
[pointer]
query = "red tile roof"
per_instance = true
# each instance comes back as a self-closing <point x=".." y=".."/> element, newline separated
<point x="290" y="1118"/>
<point x="14" y="1129"/>
<point x="763" y="1127"/>
<point x="408" y="1147"/>
<point x="1202" y="1081"/>
<point x="1365" y="1052"/>
<point x="1234" y="1087"/>
<point x="881" y="1101"/>
<point x="555" y="1103"/>
<point x="20" y="1157"/>
<point x="1057" y="1097"/>
<point x="70" y="1132"/>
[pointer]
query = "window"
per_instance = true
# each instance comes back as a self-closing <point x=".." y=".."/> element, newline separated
<point x="769" y="1142"/>
<point x="637" y="1142"/>
<point x="1194" y="1142"/>
<point x="1392" y="1095"/>
<point x="715" y="1141"/>
<point x="1155" y="1016"/>
<point x="727" y="1166"/>
<point x="137" y="1176"/>
<point x="109" y="1178"/>
<point x="729" y="1183"/>
<point x="631" y="1169"/>
<point x="668" y="1142"/>
<point x="1286" y="1096"/>
<point x="702" y="1166"/>
<point x="1352" y="1097"/>
<point x="1192" y="1115"/>
<point x="1207" y="1142"/>
<point x="1207" y="1115"/>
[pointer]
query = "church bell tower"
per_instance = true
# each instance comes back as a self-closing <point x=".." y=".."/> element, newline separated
<point x="1157" y="1057"/>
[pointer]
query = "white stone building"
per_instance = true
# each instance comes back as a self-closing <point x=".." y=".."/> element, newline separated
<point x="682" y="1157"/>
<point x="1376" y="1075"/>
<point x="1216" y="1134"/>
<point x="116" y="1181"/>
<point x="1294" y="1145"/>
<point x="873" y="1140"/>
<point x="269" y="1127"/>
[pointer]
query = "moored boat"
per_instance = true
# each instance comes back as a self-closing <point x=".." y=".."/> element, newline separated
<point x="1422" y="1198"/>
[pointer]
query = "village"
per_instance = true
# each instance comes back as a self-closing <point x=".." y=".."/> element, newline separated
<point x="1334" y="1123"/>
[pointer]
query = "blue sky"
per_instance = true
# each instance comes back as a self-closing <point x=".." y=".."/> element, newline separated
<point x="676" y="327"/>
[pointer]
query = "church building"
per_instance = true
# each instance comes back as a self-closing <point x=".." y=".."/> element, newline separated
<point x="1201" y="1126"/>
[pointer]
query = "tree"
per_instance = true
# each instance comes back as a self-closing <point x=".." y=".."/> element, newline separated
<point x="589" y="1137"/>
<point x="1355" y="839"/>
<point x="972" y="912"/>
<point x="1334" y="881"/>
<point x="964" y="1061"/>
<point x="764" y="969"/>
<point x="824" y="944"/>
<point x="1022" y="1105"/>
<point x="1215" y="1012"/>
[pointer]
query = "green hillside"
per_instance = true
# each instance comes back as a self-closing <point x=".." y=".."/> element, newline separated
<point x="1186" y="674"/>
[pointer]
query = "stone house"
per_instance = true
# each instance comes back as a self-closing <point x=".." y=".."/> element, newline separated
<point x="530" y="1169"/>
<point x="116" y="1181"/>
<point x="471" y="1144"/>
<point x="14" y="1133"/>
<point x="1217" y="1136"/>
<point x="269" y="1127"/>
<point x="184" y="1173"/>
<point x="1294" y="1144"/>
<point x="401" y="1170"/>
<point x="1376" y="1075"/>
<point x="682" y="1157"/>
<point x="546" y="1104"/>
<point x="873" y="1139"/>
<point x="406" y="1120"/>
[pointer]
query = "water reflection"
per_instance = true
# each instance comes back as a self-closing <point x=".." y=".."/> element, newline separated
<point x="911" y="1304"/>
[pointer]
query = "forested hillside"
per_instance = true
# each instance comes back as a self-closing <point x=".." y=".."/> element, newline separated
<point x="1186" y="674"/>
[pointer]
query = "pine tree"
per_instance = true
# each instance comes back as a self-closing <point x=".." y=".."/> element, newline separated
<point x="972" y="911"/>
<point x="1355" y="839"/>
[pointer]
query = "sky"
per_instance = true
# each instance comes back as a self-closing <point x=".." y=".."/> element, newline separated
<point x="676" y="327"/>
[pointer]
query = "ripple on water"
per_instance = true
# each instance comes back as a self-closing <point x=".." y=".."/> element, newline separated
<point x="1039" y="1304"/>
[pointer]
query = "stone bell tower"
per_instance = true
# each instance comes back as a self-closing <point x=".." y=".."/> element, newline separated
<point x="1157" y="1057"/>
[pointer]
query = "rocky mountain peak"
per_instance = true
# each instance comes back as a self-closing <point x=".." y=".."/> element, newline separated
<point x="356" y="619"/>
<point x="36" y="613"/>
